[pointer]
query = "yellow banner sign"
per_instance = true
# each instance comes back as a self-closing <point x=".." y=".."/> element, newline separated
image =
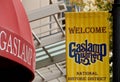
<point x="87" y="46"/>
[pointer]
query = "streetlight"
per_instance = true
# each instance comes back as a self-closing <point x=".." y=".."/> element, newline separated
<point x="116" y="41"/>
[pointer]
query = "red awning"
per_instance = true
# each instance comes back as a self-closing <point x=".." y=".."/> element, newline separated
<point x="16" y="43"/>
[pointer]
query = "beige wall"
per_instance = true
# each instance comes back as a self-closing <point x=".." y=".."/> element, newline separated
<point x="34" y="4"/>
<point x="30" y="5"/>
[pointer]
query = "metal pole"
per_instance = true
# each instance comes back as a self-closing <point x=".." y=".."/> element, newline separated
<point x="48" y="53"/>
<point x="57" y="21"/>
<point x="116" y="41"/>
